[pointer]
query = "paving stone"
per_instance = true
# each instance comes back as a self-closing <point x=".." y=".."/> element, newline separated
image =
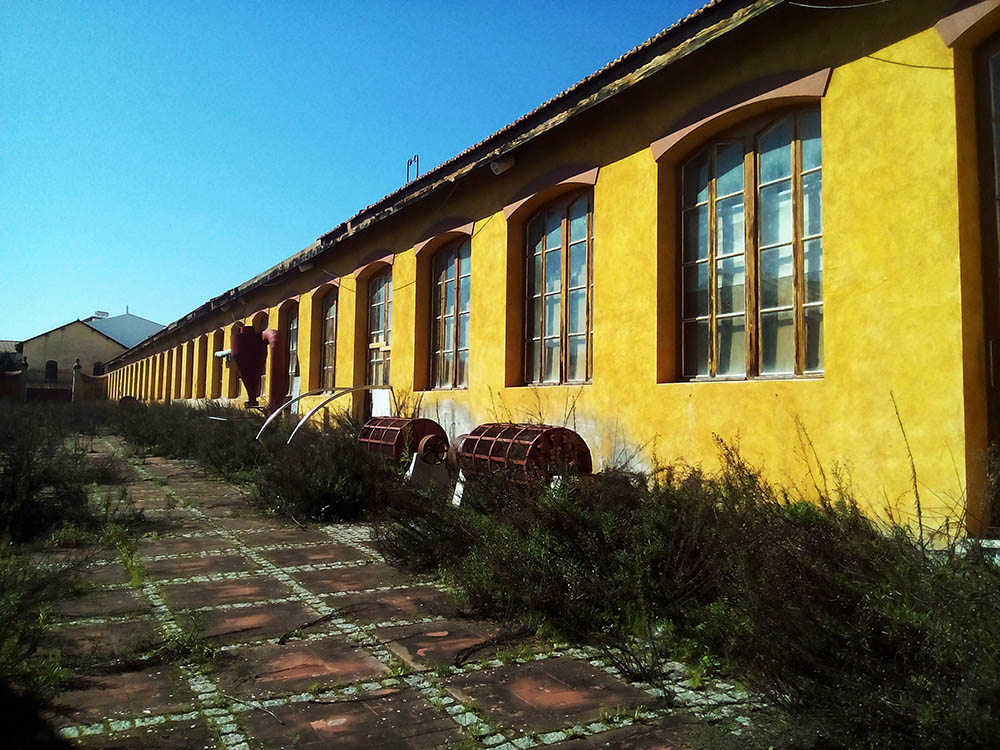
<point x="395" y="604"/>
<point x="189" y="735"/>
<point x="546" y="695"/>
<point x="102" y="641"/>
<point x="214" y="593"/>
<point x="626" y="738"/>
<point x="430" y="644"/>
<point x="269" y="669"/>
<point x="181" y="567"/>
<point x="105" y="574"/>
<point x="176" y="521"/>
<point x="153" y="690"/>
<point x="400" y="721"/>
<point x="288" y="535"/>
<point x="316" y="554"/>
<point x="179" y="545"/>
<point x="113" y="603"/>
<point x="250" y="623"/>
<point x="356" y="578"/>
<point x="242" y="523"/>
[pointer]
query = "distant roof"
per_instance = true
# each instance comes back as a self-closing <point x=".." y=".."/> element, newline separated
<point x="128" y="329"/>
<point x="8" y="346"/>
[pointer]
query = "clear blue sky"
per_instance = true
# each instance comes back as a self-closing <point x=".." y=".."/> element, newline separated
<point x="156" y="154"/>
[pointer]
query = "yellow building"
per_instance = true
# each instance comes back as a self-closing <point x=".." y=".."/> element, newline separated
<point x="770" y="223"/>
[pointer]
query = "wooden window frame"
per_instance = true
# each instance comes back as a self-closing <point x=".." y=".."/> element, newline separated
<point x="563" y="203"/>
<point x="384" y="346"/>
<point x="749" y="135"/>
<point x="439" y="315"/>
<point x="291" y="315"/>
<point x="330" y="302"/>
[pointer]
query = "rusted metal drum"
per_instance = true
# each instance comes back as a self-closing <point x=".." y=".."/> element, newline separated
<point x="523" y="451"/>
<point x="396" y="437"/>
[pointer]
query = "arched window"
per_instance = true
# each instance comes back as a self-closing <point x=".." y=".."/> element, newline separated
<point x="328" y="339"/>
<point x="52" y="370"/>
<point x="379" y="327"/>
<point x="559" y="291"/>
<point x="452" y="276"/>
<point x="292" y="348"/>
<point x="98" y="368"/>
<point x="752" y="252"/>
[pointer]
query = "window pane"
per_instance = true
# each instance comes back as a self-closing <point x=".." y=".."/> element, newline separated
<point x="578" y="264"/>
<point x="550" y="365"/>
<point x="578" y="219"/>
<point x="447" y="361"/>
<point x="447" y="265"/>
<point x="776" y="152"/>
<point x="730" y="281"/>
<point x="535" y="235"/>
<point x="695" y="336"/>
<point x="696" y="180"/>
<point x="696" y="290"/>
<point x="535" y="281"/>
<point x="729" y="225"/>
<point x="576" y="365"/>
<point x="777" y="342"/>
<point x="553" y="271"/>
<point x="812" y="152"/>
<point x="812" y="207"/>
<point x="463" y="369"/>
<point x="696" y="233"/>
<point x="448" y="339"/>
<point x="729" y="169"/>
<point x="814" y="338"/>
<point x="776" y="213"/>
<point x="553" y="230"/>
<point x="465" y="258"/>
<point x="552" y="320"/>
<point x="533" y="355"/>
<point x="449" y="298"/>
<point x="463" y="331"/>
<point x="535" y="324"/>
<point x="776" y="267"/>
<point x="463" y="295"/>
<point x="812" y="262"/>
<point x="578" y="311"/>
<point x="731" y="346"/>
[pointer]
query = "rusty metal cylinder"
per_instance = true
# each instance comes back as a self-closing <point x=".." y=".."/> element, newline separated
<point x="397" y="437"/>
<point x="523" y="451"/>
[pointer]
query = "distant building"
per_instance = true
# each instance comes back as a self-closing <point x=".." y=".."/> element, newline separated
<point x="51" y="356"/>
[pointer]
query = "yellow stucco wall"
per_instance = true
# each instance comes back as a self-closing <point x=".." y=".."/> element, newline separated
<point x="901" y="283"/>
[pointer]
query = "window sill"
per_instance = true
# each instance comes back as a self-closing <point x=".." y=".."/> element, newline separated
<point x="744" y="379"/>
<point x="572" y="383"/>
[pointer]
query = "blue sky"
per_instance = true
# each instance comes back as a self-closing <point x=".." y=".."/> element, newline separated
<point x="157" y="154"/>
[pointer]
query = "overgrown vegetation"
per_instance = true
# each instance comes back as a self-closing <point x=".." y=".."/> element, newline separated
<point x="853" y="627"/>
<point x="55" y="494"/>
<point x="860" y="633"/>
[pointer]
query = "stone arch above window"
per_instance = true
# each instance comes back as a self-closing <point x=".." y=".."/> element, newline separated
<point x="738" y="105"/>
<point x="970" y="25"/>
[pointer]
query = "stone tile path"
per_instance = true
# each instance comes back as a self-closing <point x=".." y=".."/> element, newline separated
<point x="320" y="645"/>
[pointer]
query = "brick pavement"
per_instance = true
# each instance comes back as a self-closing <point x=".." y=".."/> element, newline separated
<point x="320" y="645"/>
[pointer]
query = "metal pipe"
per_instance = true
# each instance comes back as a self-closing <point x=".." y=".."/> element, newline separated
<point x="289" y="403"/>
<point x="331" y="398"/>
